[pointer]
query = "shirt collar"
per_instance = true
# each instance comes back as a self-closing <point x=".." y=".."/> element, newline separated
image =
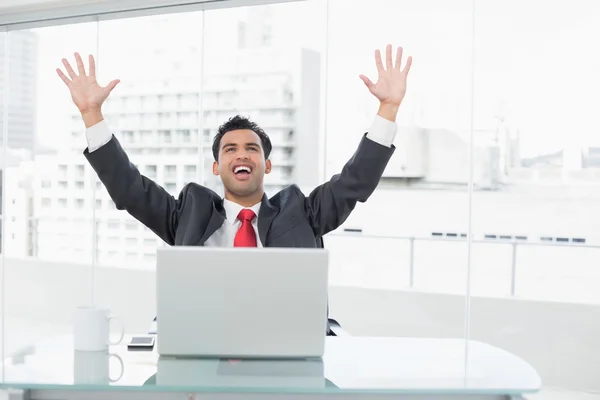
<point x="233" y="209"/>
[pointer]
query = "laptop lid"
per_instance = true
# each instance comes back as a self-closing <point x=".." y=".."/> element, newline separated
<point x="241" y="302"/>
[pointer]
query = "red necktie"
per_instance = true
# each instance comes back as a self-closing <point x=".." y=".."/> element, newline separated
<point x="245" y="236"/>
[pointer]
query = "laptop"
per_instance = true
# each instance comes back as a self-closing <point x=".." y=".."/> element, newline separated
<point x="241" y="302"/>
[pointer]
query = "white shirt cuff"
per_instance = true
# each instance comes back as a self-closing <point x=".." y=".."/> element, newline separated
<point x="382" y="131"/>
<point x="98" y="135"/>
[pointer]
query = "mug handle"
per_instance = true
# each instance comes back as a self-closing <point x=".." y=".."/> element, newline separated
<point x="122" y="367"/>
<point x="115" y="318"/>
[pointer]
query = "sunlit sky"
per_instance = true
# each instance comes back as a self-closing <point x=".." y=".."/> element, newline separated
<point x="536" y="63"/>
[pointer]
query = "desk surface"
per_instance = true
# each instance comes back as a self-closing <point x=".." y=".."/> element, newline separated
<point x="350" y="364"/>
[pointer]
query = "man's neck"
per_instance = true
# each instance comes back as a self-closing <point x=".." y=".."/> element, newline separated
<point x="245" y="201"/>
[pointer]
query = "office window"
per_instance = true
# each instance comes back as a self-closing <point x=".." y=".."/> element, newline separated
<point x="151" y="171"/>
<point x="127" y="136"/>
<point x="189" y="172"/>
<point x="168" y="102"/>
<point x="189" y="101"/>
<point x="149" y="120"/>
<point x="184" y="135"/>
<point x="165" y="136"/>
<point x="534" y="171"/>
<point x="150" y="102"/>
<point x="132" y="103"/>
<point x="170" y="171"/>
<point x="532" y="177"/>
<point x="171" y="187"/>
<point x="79" y="171"/>
<point x="145" y="136"/>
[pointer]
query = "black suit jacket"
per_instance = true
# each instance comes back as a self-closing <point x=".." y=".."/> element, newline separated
<point x="288" y="219"/>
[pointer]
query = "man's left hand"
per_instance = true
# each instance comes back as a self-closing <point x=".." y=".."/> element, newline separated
<point x="390" y="87"/>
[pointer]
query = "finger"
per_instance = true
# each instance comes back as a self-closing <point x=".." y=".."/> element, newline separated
<point x="112" y="85"/>
<point x="367" y="81"/>
<point x="80" y="66"/>
<point x="398" y="58"/>
<point x="64" y="78"/>
<point x="388" y="56"/>
<point x="378" y="61"/>
<point x="407" y="66"/>
<point x="92" y="66"/>
<point x="70" y="71"/>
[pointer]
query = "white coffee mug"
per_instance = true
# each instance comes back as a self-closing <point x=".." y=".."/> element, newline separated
<point x="91" y="329"/>
<point x="92" y="367"/>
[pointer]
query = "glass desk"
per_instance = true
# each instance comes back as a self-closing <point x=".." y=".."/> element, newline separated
<point x="353" y="367"/>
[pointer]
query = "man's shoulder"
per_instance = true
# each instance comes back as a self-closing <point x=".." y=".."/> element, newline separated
<point x="292" y="189"/>
<point x="287" y="195"/>
<point x="200" y="192"/>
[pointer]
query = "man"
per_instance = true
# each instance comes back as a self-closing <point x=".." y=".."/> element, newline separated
<point x="245" y="217"/>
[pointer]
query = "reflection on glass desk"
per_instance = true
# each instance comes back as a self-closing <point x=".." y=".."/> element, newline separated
<point x="398" y="367"/>
<point x="272" y="374"/>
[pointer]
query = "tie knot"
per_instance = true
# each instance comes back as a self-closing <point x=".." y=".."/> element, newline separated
<point x="246" y="215"/>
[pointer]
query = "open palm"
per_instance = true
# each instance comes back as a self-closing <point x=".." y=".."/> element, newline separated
<point x="86" y="93"/>
<point x="390" y="87"/>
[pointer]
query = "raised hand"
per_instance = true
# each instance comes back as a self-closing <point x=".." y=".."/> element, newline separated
<point x="86" y="93"/>
<point x="390" y="87"/>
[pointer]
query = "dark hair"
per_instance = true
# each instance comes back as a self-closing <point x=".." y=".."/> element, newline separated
<point x="239" y="122"/>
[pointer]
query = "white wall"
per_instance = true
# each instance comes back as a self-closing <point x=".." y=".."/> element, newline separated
<point x="560" y="340"/>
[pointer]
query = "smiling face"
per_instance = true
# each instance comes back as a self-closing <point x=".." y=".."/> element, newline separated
<point x="241" y="165"/>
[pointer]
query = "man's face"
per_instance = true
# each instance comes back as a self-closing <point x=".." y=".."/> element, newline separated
<point x="242" y="163"/>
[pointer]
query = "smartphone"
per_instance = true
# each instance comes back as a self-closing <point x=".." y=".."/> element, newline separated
<point x="141" y="343"/>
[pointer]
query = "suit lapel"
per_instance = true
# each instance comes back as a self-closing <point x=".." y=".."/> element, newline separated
<point x="216" y="220"/>
<point x="265" y="217"/>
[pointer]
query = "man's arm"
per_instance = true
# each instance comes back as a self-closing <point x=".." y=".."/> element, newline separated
<point x="330" y="204"/>
<point x="140" y="196"/>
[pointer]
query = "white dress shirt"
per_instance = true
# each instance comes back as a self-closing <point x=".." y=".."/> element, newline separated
<point x="225" y="235"/>
<point x="382" y="131"/>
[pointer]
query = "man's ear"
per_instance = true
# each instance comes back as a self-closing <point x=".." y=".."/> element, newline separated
<point x="268" y="166"/>
<point x="215" y="168"/>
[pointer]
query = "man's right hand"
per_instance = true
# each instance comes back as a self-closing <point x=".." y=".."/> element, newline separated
<point x="86" y="93"/>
